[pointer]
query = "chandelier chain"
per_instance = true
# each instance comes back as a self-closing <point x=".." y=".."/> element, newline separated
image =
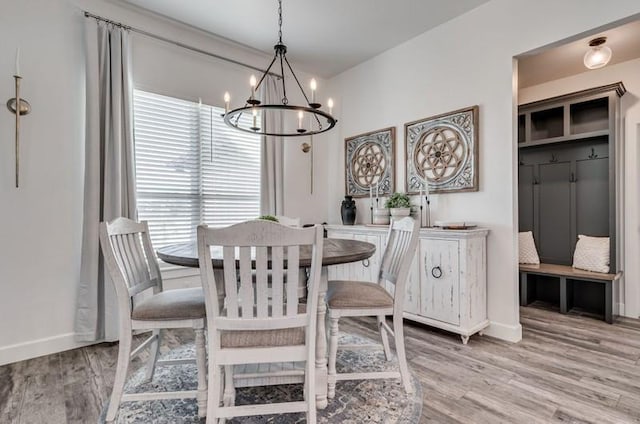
<point x="280" y="21"/>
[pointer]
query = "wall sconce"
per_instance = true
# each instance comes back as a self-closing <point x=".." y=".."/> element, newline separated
<point x="598" y="55"/>
<point x="19" y="107"/>
<point x="308" y="148"/>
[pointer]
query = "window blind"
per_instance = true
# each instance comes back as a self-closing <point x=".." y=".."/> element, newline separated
<point x="191" y="168"/>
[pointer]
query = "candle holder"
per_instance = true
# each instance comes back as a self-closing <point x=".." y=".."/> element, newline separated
<point x="19" y="107"/>
<point x="428" y="214"/>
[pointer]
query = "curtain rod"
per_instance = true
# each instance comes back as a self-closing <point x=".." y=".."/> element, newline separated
<point x="176" y="43"/>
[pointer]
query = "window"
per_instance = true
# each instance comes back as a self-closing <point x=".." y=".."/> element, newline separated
<point x="184" y="175"/>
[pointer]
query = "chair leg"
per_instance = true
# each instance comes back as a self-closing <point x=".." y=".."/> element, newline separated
<point x="384" y="337"/>
<point x="214" y="390"/>
<point x="153" y="355"/>
<point x="333" y="352"/>
<point x="402" y="358"/>
<point x="310" y="388"/>
<point x="124" y="351"/>
<point x="201" y="364"/>
<point x="229" y="397"/>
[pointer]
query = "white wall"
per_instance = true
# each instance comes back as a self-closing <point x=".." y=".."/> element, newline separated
<point x="464" y="62"/>
<point x="40" y="223"/>
<point x="629" y="73"/>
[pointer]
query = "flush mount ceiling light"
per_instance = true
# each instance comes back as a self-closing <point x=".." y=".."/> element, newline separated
<point x="310" y="118"/>
<point x="598" y="55"/>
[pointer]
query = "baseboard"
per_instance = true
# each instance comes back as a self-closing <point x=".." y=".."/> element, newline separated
<point x="509" y="333"/>
<point x="32" y="349"/>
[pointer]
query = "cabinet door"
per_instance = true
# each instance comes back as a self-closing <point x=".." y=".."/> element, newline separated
<point x="440" y="289"/>
<point x="412" y="289"/>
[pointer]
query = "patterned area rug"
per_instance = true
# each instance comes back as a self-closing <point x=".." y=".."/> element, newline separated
<point x="357" y="401"/>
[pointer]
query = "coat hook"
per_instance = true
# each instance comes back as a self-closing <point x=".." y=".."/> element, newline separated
<point x="554" y="158"/>
<point x="593" y="154"/>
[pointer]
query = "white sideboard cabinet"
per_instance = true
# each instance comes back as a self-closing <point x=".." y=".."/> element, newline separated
<point x="447" y="285"/>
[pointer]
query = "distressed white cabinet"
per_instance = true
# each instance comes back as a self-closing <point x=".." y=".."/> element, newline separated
<point x="366" y="270"/>
<point x="447" y="285"/>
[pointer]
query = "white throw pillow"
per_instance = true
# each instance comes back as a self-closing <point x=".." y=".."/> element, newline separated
<point x="528" y="253"/>
<point x="592" y="254"/>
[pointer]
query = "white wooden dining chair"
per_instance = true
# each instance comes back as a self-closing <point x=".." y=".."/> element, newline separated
<point x="386" y="297"/>
<point x="133" y="268"/>
<point x="264" y="325"/>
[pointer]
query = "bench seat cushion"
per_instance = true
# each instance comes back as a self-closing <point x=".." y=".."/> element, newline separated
<point x="566" y="271"/>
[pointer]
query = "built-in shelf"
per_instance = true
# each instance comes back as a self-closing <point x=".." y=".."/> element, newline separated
<point x="547" y="123"/>
<point x="572" y="117"/>
<point x="589" y="116"/>
<point x="521" y="128"/>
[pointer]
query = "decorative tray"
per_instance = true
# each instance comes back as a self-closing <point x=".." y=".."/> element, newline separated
<point x="447" y="225"/>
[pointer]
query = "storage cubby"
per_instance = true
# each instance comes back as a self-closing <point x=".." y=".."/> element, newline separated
<point x="589" y="116"/>
<point x="522" y="119"/>
<point x="545" y="289"/>
<point x="548" y="123"/>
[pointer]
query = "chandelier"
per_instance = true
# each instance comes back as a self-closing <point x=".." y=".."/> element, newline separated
<point x="310" y="118"/>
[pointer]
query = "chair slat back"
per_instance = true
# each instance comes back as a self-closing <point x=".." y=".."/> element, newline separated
<point x="261" y="262"/>
<point x="129" y="256"/>
<point x="402" y="240"/>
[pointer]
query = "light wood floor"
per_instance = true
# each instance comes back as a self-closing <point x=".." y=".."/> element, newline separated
<point x="567" y="369"/>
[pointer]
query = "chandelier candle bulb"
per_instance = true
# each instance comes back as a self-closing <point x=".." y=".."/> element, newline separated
<point x="252" y="83"/>
<point x="227" y="99"/>
<point x="330" y="104"/>
<point x="255" y="118"/>
<point x="300" y="116"/>
<point x="314" y="86"/>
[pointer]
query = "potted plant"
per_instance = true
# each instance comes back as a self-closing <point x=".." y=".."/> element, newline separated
<point x="399" y="204"/>
<point x="268" y="218"/>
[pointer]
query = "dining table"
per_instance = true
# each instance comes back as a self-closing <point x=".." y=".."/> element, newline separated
<point x="334" y="252"/>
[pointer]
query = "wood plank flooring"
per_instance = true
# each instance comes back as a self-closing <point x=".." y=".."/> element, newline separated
<point x="567" y="369"/>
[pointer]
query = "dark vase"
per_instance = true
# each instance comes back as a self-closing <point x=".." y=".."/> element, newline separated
<point x="348" y="211"/>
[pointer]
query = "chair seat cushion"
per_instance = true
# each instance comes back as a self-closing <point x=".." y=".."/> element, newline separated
<point x="357" y="295"/>
<point x="171" y="305"/>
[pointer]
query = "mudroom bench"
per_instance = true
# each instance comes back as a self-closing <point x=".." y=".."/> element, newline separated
<point x="567" y="277"/>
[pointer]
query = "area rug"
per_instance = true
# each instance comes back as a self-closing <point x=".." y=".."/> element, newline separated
<point x="357" y="401"/>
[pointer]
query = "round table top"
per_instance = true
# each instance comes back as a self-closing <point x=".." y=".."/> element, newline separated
<point x="334" y="252"/>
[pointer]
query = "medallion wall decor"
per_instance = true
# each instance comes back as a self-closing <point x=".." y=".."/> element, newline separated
<point x="442" y="151"/>
<point x="370" y="163"/>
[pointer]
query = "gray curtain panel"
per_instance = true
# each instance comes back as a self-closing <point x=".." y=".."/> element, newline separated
<point x="109" y="190"/>
<point x="272" y="178"/>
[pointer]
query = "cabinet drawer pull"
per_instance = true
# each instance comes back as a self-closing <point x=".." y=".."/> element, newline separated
<point x="365" y="262"/>
<point x="436" y="272"/>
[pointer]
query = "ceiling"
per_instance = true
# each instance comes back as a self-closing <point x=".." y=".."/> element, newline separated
<point x="323" y="37"/>
<point x="566" y="60"/>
